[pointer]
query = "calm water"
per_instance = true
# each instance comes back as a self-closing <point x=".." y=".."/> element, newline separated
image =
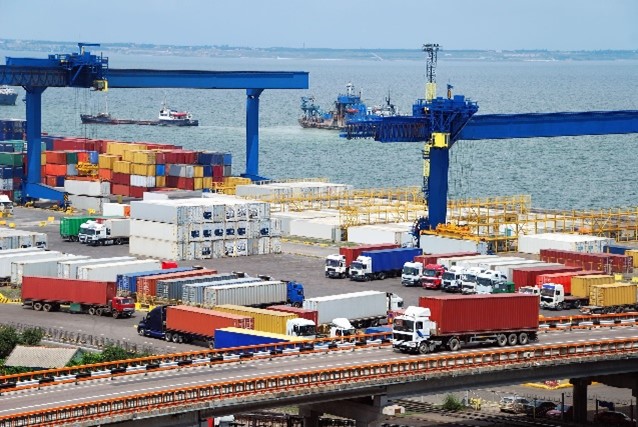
<point x="572" y="172"/>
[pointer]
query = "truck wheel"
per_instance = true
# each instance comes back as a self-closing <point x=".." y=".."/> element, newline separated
<point x="501" y="340"/>
<point x="381" y="276"/>
<point x="37" y="306"/>
<point x="92" y="311"/>
<point x="116" y="315"/>
<point x="46" y="307"/>
<point x="424" y="348"/>
<point x="177" y="338"/>
<point x="168" y="336"/>
<point x="454" y="344"/>
<point x="117" y="242"/>
<point x="98" y="312"/>
<point x="619" y="309"/>
<point x="576" y="304"/>
<point x="141" y="332"/>
<point x="512" y="339"/>
<point x="523" y="338"/>
<point x="559" y="306"/>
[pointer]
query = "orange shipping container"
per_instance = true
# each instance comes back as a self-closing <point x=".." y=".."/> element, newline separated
<point x="105" y="174"/>
<point x="56" y="157"/>
<point x="55" y="169"/>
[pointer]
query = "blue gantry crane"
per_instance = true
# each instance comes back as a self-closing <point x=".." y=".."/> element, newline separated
<point x="86" y="70"/>
<point x="440" y="122"/>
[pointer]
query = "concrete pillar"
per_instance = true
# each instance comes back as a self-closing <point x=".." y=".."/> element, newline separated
<point x="580" y="399"/>
<point x="310" y="416"/>
<point x="366" y="412"/>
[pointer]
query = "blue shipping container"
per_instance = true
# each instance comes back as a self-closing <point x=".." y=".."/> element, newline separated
<point x="391" y="259"/>
<point x="235" y="337"/>
<point x="128" y="281"/>
<point x="615" y="249"/>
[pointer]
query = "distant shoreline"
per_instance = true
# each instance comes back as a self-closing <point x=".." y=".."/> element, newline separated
<point x="285" y="53"/>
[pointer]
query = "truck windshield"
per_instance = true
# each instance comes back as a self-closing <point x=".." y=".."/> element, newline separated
<point x="357" y="266"/>
<point x="332" y="263"/>
<point x="87" y="231"/>
<point x="547" y="292"/>
<point x="469" y="278"/>
<point x="449" y="276"/>
<point x="429" y="273"/>
<point x="410" y="271"/>
<point x="306" y="330"/>
<point x="127" y="301"/>
<point x="485" y="281"/>
<point x="403" y="325"/>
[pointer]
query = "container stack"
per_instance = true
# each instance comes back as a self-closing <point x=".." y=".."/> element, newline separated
<point x="535" y="243"/>
<point x="11" y="238"/>
<point x="11" y="168"/>
<point x="271" y="190"/>
<point x="87" y="193"/>
<point x="609" y="263"/>
<point x="214" y="226"/>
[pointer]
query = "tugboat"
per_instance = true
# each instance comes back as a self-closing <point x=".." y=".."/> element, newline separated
<point x="168" y="117"/>
<point x="8" y="95"/>
<point x="348" y="107"/>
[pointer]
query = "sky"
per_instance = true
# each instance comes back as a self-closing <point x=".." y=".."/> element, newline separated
<point x="371" y="24"/>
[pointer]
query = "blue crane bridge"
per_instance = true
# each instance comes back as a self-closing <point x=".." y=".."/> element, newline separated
<point x="86" y="70"/>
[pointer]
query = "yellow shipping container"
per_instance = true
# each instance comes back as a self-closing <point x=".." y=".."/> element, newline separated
<point x="119" y="148"/>
<point x="43" y="159"/>
<point x="236" y="180"/>
<point x="634" y="254"/>
<point x="144" y="170"/>
<point x="284" y="337"/>
<point x="613" y="294"/>
<point x="121" y="166"/>
<point x="581" y="285"/>
<point x="106" y="161"/>
<point x="265" y="320"/>
<point x="207" y="182"/>
<point x="160" y="181"/>
<point x="146" y="157"/>
<point x="198" y="171"/>
<point x="197" y="183"/>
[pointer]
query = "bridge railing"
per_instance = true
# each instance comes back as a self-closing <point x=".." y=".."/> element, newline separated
<point x="333" y="379"/>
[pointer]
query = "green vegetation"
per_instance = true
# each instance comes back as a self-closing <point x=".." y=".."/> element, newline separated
<point x="452" y="403"/>
<point x="109" y="354"/>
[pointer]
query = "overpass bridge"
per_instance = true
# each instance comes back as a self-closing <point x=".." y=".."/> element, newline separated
<point x="318" y="378"/>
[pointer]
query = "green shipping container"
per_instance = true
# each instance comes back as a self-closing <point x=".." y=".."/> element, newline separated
<point x="11" y="159"/>
<point x="71" y="158"/>
<point x="70" y="225"/>
<point x="18" y="145"/>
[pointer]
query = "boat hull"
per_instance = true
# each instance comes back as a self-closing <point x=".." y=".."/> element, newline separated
<point x="8" y="99"/>
<point x="101" y="120"/>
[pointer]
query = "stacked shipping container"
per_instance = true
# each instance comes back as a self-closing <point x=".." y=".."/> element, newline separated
<point x="609" y="263"/>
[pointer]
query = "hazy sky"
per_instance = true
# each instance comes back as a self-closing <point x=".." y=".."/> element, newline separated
<point x="403" y="24"/>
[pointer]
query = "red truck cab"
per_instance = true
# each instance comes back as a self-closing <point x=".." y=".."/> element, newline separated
<point x="432" y="276"/>
<point x="122" y="307"/>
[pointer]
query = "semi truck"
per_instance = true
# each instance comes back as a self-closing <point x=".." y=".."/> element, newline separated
<point x="570" y="294"/>
<point x="105" y="231"/>
<point x="81" y="296"/>
<point x="256" y="294"/>
<point x="70" y="226"/>
<point x="181" y="323"/>
<point x="453" y="321"/>
<point x="416" y="274"/>
<point x="274" y="321"/>
<point x="337" y="266"/>
<point x="379" y="264"/>
<point x="355" y="310"/>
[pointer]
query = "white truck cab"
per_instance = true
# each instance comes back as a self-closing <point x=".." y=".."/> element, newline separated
<point x="6" y="205"/>
<point x="335" y="266"/>
<point x="486" y="280"/>
<point x="411" y="274"/>
<point x="301" y="328"/>
<point x="341" y="327"/>
<point x="468" y="279"/>
<point x="452" y="279"/>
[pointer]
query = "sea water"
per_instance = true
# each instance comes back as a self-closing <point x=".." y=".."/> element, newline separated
<point x="586" y="172"/>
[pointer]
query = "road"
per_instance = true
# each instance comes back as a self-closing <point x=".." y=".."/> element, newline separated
<point x="54" y="396"/>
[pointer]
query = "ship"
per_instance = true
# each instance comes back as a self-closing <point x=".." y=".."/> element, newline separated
<point x="348" y="107"/>
<point x="8" y="95"/>
<point x="166" y="117"/>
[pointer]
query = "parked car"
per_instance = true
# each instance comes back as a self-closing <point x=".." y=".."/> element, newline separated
<point x="614" y="419"/>
<point x="513" y="404"/>
<point x="555" y="414"/>
<point x="538" y="408"/>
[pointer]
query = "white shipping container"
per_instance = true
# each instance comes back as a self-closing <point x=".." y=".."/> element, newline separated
<point x="7" y="259"/>
<point x="275" y="245"/>
<point x="6" y="184"/>
<point x="285" y="218"/>
<point x="19" y="250"/>
<point x="159" y="230"/>
<point x="68" y="269"/>
<point x="465" y="261"/>
<point x="87" y="188"/>
<point x="492" y="264"/>
<point x="432" y="244"/>
<point x="355" y="305"/>
<point x="532" y="244"/>
<point x="87" y="202"/>
<point x="108" y="272"/>
<point x="317" y="228"/>
<point x="156" y="248"/>
<point x="171" y="194"/>
<point x="142" y="181"/>
<point x="247" y="294"/>
<point x="38" y="267"/>
<point x="115" y="209"/>
<point x="397" y="233"/>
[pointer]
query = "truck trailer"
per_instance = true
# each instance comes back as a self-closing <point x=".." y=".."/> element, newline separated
<point x="81" y="296"/>
<point x="452" y="321"/>
<point x="105" y="231"/>
<point x="181" y="323"/>
<point x="379" y="264"/>
<point x="337" y="266"/>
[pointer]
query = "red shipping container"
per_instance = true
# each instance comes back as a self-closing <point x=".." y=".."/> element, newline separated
<point x="168" y="265"/>
<point x="434" y="258"/>
<point x="218" y="170"/>
<point x="147" y="285"/>
<point x="120" y="178"/>
<point x="564" y="278"/>
<point x="56" y="289"/>
<point x="55" y="157"/>
<point x="50" y="180"/>
<point x="137" y="192"/>
<point x="55" y="169"/>
<point x="120" y="190"/>
<point x="351" y="253"/>
<point x="526" y="276"/>
<point x="460" y="314"/>
<point x="303" y="313"/>
<point x="171" y="157"/>
<point x="203" y="322"/>
<point x="160" y="158"/>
